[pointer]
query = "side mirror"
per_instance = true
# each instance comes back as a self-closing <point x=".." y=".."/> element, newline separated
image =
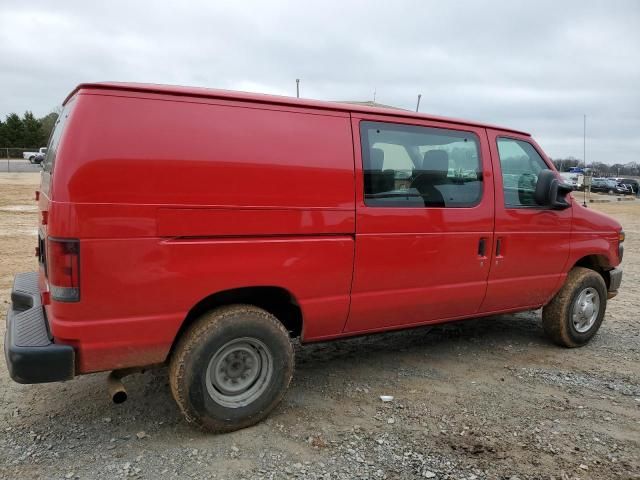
<point x="550" y="192"/>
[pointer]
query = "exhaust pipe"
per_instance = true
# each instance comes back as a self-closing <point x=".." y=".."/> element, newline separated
<point x="114" y="383"/>
<point x="116" y="388"/>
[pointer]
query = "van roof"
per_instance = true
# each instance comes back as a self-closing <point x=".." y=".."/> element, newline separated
<point x="273" y="100"/>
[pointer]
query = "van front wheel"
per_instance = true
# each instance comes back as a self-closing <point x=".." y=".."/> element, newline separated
<point x="231" y="368"/>
<point x="575" y="314"/>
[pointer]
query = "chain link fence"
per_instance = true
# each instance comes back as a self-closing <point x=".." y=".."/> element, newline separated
<point x="12" y="159"/>
<point x="16" y="153"/>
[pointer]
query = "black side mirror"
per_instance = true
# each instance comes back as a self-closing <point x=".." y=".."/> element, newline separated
<point x="550" y="192"/>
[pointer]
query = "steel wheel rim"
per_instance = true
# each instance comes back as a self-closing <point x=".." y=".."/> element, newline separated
<point x="586" y="308"/>
<point x="239" y="372"/>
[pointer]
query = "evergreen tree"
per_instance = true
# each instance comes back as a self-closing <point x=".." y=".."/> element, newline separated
<point x="3" y="136"/>
<point x="14" y="131"/>
<point x="31" y="131"/>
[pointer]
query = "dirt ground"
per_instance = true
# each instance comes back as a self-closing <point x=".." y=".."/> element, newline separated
<point x="487" y="398"/>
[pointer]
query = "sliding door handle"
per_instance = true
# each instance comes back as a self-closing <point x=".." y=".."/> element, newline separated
<point x="482" y="247"/>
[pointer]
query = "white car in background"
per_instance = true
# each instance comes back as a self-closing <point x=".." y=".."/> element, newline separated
<point x="31" y="156"/>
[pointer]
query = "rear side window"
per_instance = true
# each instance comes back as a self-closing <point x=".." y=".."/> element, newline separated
<point x="52" y="147"/>
<point x="520" y="164"/>
<point x="411" y="166"/>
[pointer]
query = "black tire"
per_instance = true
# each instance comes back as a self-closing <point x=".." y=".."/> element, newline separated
<point x="193" y="367"/>
<point x="557" y="315"/>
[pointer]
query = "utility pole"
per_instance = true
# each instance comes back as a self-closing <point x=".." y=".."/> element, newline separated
<point x="584" y="141"/>
<point x="374" y="94"/>
<point x="584" y="156"/>
<point x="297" y="88"/>
<point x="418" y="104"/>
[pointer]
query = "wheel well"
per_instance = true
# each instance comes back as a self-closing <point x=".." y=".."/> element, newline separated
<point x="598" y="263"/>
<point x="275" y="300"/>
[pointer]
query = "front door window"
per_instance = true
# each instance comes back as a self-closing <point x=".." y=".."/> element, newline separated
<point x="520" y="164"/>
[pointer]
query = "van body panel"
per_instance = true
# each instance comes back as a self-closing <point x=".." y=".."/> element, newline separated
<point x="594" y="233"/>
<point x="203" y="222"/>
<point x="122" y="303"/>
<point x="173" y="202"/>
<point x="415" y="265"/>
<point x="127" y="220"/>
<point x="97" y="220"/>
<point x="199" y="156"/>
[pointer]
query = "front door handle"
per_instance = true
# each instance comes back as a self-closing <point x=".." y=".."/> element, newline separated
<point x="499" y="247"/>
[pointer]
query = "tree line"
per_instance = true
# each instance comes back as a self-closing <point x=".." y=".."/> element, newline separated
<point x="28" y="131"/>
<point x="599" y="169"/>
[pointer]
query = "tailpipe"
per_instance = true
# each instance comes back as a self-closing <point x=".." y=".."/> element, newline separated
<point x="117" y="391"/>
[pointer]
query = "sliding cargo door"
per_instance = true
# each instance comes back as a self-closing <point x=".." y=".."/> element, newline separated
<point x="424" y="222"/>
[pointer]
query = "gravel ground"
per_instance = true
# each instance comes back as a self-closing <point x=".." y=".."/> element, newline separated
<point x="482" y="399"/>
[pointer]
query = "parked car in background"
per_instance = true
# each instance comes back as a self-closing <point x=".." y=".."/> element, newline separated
<point x="38" y="159"/>
<point x="571" y="178"/>
<point x="632" y="185"/>
<point x="607" y="185"/>
<point x="31" y="156"/>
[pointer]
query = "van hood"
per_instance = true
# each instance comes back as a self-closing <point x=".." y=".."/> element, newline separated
<point x="594" y="220"/>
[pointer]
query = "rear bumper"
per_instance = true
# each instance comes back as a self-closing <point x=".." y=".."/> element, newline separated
<point x="615" y="279"/>
<point x="31" y="354"/>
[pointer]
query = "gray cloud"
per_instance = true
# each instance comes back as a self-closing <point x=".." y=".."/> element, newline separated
<point x="535" y="66"/>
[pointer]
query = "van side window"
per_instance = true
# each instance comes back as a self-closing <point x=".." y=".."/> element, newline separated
<point x="54" y="140"/>
<point x="411" y="166"/>
<point x="520" y="164"/>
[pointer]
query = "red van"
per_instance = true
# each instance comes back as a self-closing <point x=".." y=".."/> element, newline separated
<point x="206" y="229"/>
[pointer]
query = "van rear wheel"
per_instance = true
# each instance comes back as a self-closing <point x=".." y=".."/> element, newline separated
<point x="575" y="314"/>
<point x="231" y="368"/>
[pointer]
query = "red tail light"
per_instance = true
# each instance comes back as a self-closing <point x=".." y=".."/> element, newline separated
<point x="63" y="269"/>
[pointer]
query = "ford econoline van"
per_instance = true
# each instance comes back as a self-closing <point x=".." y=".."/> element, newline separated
<point x="206" y="229"/>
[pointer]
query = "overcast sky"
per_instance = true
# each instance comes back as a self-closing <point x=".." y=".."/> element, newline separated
<point x="536" y="66"/>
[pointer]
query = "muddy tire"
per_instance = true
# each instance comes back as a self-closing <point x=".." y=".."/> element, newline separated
<point x="231" y="368"/>
<point x="575" y="314"/>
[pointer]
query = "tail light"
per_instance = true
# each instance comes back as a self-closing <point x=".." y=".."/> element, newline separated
<point x="63" y="269"/>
